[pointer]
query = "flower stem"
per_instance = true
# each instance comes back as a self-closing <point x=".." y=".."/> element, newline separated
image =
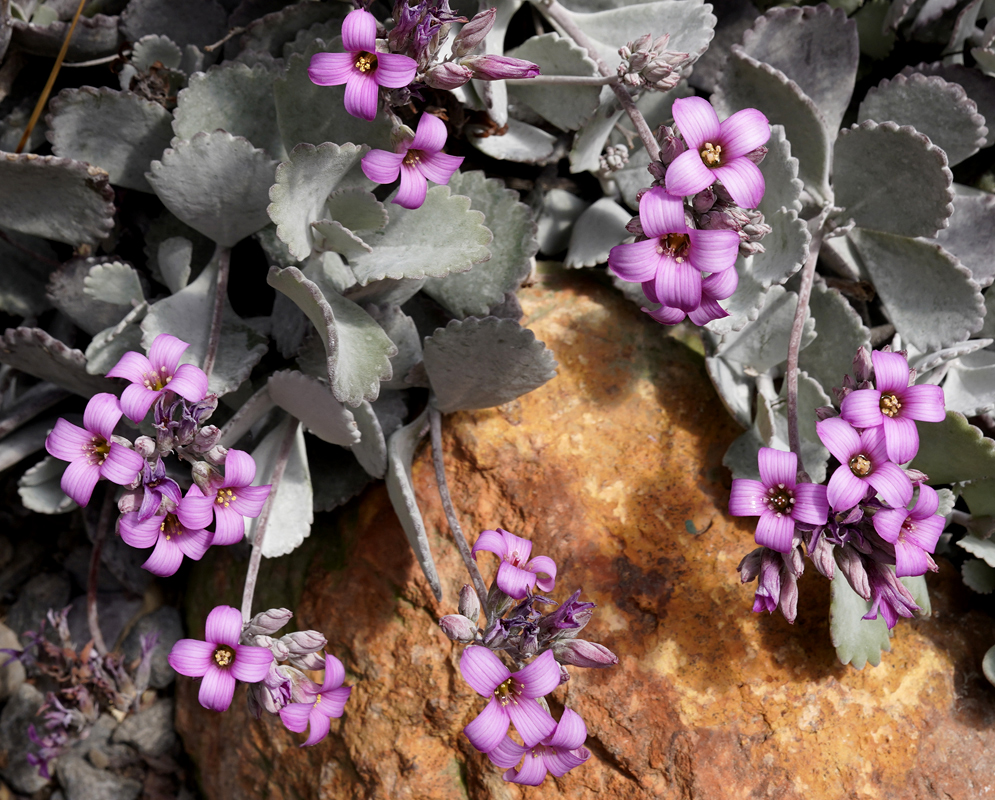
<point x="564" y="80"/>
<point x="282" y="455"/>
<point x="435" y="423"/>
<point x="99" y="535"/>
<point x="223" y="255"/>
<point x="561" y="18"/>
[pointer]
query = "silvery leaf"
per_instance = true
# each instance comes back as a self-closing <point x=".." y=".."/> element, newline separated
<point x="336" y="476"/>
<point x="772" y="424"/>
<point x="331" y="236"/>
<point x="590" y="140"/>
<point x="857" y="641"/>
<point x="780" y="170"/>
<point x="979" y="87"/>
<point x="107" y="347"/>
<point x="389" y="291"/>
<point x="633" y="177"/>
<point x="114" y="282"/>
<point x="980" y="577"/>
<point x="980" y="498"/>
<point x="274" y="31"/>
<point x="785" y="248"/>
<point x="840" y="332"/>
<point x="521" y="142"/>
<point x="735" y="389"/>
<point x="66" y="291"/>
<point x="94" y="37"/>
<point x="196" y="22"/>
<point x="970" y="234"/>
<point x="982" y="548"/>
<point x="970" y="384"/>
<point x="598" y="230"/>
<point x="403" y="333"/>
<point x="924" y="363"/>
<point x="745" y="305"/>
<point x="312" y="402"/>
<point x="40" y="490"/>
<point x="329" y="272"/>
<point x="33" y="351"/>
<point x="371" y="449"/>
<point x="954" y="450"/>
<point x="175" y="255"/>
<point x="153" y="47"/>
<point x="22" y="291"/>
<point x="358" y="210"/>
<point x="560" y="210"/>
<point x="166" y="226"/>
<point x="763" y="344"/>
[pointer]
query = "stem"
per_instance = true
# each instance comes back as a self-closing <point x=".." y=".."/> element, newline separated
<point x="249" y="414"/>
<point x="283" y="454"/>
<point x="38" y="398"/>
<point x="92" y="618"/>
<point x="38" y="257"/>
<point x="564" y="80"/>
<point x="559" y="16"/>
<point x="233" y="32"/>
<point x="96" y="62"/>
<point x="40" y="105"/>
<point x="435" y="423"/>
<point x="220" y="295"/>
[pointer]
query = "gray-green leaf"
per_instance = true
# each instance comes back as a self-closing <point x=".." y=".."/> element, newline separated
<point x="40" y="490"/>
<point x="857" y="641"/>
<point x="35" y="352"/>
<point x="954" y="450"/>
<point x="114" y="282"/>
<point x="840" y="332"/>
<point x="312" y="402"/>
<point x="597" y="231"/>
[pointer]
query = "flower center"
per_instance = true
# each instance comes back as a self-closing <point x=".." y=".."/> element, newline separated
<point x="365" y="62"/>
<point x="507" y="693"/>
<point x="226" y="497"/>
<point x="711" y="154"/>
<point x="907" y="527"/>
<point x="780" y="499"/>
<point x="171" y="527"/>
<point x="96" y="450"/>
<point x="155" y="382"/>
<point x="675" y="244"/>
<point x="317" y="700"/>
<point x="890" y="405"/>
<point x="224" y="656"/>
<point x="514" y="559"/>
<point x="413" y="158"/>
<point x="860" y="465"/>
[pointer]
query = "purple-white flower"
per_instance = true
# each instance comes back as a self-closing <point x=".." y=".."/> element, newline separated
<point x="516" y="576"/>
<point x="513" y="697"/>
<point x="91" y="453"/>
<point x="778" y="499"/>
<point x="914" y="533"/>
<point x="329" y="702"/>
<point x="232" y="499"/>
<point x="418" y="161"/>
<point x="152" y="377"/>
<point x="558" y="753"/>
<point x="863" y="463"/>
<point x="718" y="151"/>
<point x="671" y="261"/>
<point x="220" y="660"/>
<point x="714" y="287"/>
<point x="362" y="69"/>
<point x="172" y="539"/>
<point x="888" y="594"/>
<point x="894" y="405"/>
<point x="157" y="486"/>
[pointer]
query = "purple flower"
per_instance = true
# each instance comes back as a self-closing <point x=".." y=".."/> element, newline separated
<point x="91" y="453"/>
<point x="863" y="463"/>
<point x="512" y="697"/>
<point x="328" y="702"/>
<point x="516" y="576"/>
<point x="496" y="68"/>
<point x="914" y="533"/>
<point x="778" y="499"/>
<point x="152" y="377"/>
<point x="888" y="594"/>
<point x="157" y="486"/>
<point x="232" y="499"/>
<point x="417" y="161"/>
<point x="172" y="539"/>
<point x="558" y="753"/>
<point x="220" y="660"/>
<point x="893" y="405"/>
<point x="714" y="287"/>
<point x="362" y="69"/>
<point x="670" y="262"/>
<point x="718" y="152"/>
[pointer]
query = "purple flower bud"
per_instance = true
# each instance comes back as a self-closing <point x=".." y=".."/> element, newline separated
<point x="916" y="475"/>
<point x="581" y="653"/>
<point x="302" y="643"/>
<point x="703" y="201"/>
<point x="308" y="661"/>
<point x="852" y="567"/>
<point x="635" y="226"/>
<point x="458" y="628"/>
<point x="266" y="623"/>
<point x="448" y="76"/>
<point x="206" y="438"/>
<point x="131" y="500"/>
<point x="496" y="68"/>
<point x="469" y="603"/>
<point x="216" y="455"/>
<point x="788" y="602"/>
<point x="564" y="675"/>
<point x="747" y="249"/>
<point x="863" y="367"/>
<point x="749" y="567"/>
<point x="825" y="412"/>
<point x="145" y="446"/>
<point x="569" y="619"/>
<point x="204" y="475"/>
<point x="757" y="156"/>
<point x="671" y="145"/>
<point x="769" y="585"/>
<point x="657" y="170"/>
<point x="820" y="550"/>
<point x="474" y="32"/>
<point x="275" y="646"/>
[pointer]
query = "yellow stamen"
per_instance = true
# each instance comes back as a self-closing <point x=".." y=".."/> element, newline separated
<point x="711" y="154"/>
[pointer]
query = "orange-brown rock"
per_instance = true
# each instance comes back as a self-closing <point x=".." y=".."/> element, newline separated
<point x="602" y="468"/>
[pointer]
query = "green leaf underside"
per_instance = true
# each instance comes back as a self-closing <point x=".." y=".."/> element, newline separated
<point x="954" y="450"/>
<point x="371" y="449"/>
<point x="40" y="490"/>
<point x="857" y="641"/>
<point x="312" y="402"/>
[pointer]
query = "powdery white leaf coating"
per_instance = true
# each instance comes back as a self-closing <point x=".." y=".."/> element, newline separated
<point x="970" y="233"/>
<point x="55" y="198"/>
<point x="840" y="332"/>
<point x="312" y="402"/>
<point x="857" y="641"/>
<point x="982" y="548"/>
<point x="404" y="334"/>
<point x="745" y="305"/>
<point x="785" y="248"/>
<point x="66" y="291"/>
<point x="560" y="210"/>
<point x="94" y="37"/>
<point x="274" y="32"/>
<point x="35" y="352"/>
<point x="970" y="384"/>
<point x="763" y="344"/>
<point x="196" y="22"/>
<point x="413" y="244"/>
<point x="782" y="186"/>
<point x="371" y="449"/>
<point x="596" y="232"/>
<point x="332" y="236"/>
<point x="216" y="183"/>
<point x="482" y="363"/>
<point x="772" y="424"/>
<point x="175" y="255"/>
<point x="521" y="142"/>
<point x="735" y="390"/>
<point x="590" y="140"/>
<point x="891" y="178"/>
<point x="980" y="497"/>
<point x="40" y="489"/>
<point x="980" y="577"/>
<point x="357" y="209"/>
<point x="954" y="450"/>
<point x="979" y="87"/>
<point x="107" y="347"/>
<point x="938" y="109"/>
<point x="926" y="362"/>
<point x="153" y="47"/>
<point x="114" y="282"/>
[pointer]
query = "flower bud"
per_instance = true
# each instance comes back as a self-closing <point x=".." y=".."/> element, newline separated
<point x="581" y="653"/>
<point x="496" y="68"/>
<point x="448" y="75"/>
<point x="703" y="201"/>
<point x="203" y="474"/>
<point x="474" y="32"/>
<point x="863" y="367"/>
<point x="916" y="475"/>
<point x="131" y="500"/>
<point x="145" y="446"/>
<point x="216" y="455"/>
<point x="564" y="675"/>
<point x="206" y="438"/>
<point x="635" y="226"/>
<point x="852" y="566"/>
<point x="747" y="249"/>
<point x="749" y="567"/>
<point x="308" y="661"/>
<point x="469" y="603"/>
<point x="788" y="602"/>
<point x="458" y="628"/>
<point x="757" y="156"/>
<point x="301" y="643"/>
<point x="275" y="646"/>
<point x="825" y="412"/>
<point x="266" y="623"/>
<point x="671" y="145"/>
<point x="820" y="550"/>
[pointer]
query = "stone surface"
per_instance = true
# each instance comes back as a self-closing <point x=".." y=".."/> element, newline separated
<point x="11" y="675"/>
<point x="166" y="621"/>
<point x="81" y="781"/>
<point x="115" y="611"/>
<point x="19" y="712"/>
<point x="50" y="590"/>
<point x="149" y="731"/>
<point x="602" y="468"/>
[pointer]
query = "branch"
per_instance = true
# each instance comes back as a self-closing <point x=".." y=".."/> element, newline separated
<point x="92" y="618"/>
<point x="223" y="255"/>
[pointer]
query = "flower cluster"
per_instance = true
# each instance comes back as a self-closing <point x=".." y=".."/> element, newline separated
<point x="539" y="645"/>
<point x="648" y="63"/>
<point x="685" y="262"/>
<point x="864" y="521"/>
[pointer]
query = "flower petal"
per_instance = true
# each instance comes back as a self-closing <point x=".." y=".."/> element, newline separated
<point x="251" y="664"/>
<point x="909" y="560"/>
<point x="483" y="670"/>
<point x="901" y="438"/>
<point x="359" y="31"/>
<point x="924" y="403"/>
<point x="136" y="401"/>
<point x="665" y="315"/>
<point x="189" y="382"/>
<point x="891" y="483"/>
<point x="195" y="511"/>
<point x="775" y="530"/>
<point x="839" y="438"/>
<point x="743" y="132"/>
<point x="927" y="502"/>
<point x="216" y="689"/>
<point x="223" y="626"/>
<point x="540" y="677"/>
<point x="295" y="716"/>
<point x="132" y="367"/>
<point x="697" y="121"/>
<point x="811" y="505"/>
<point x="649" y="289"/>
<point x="514" y="581"/>
<point x="431" y="134"/>
<point x="531" y="720"/>
<point x="381" y="167"/>
<point x="720" y="285"/>
<point x="926" y="532"/>
<point x="891" y="371"/>
<point x="545" y="565"/>
<point x="240" y="469"/>
<point x="229" y="526"/>
<point x="191" y="657"/>
<point x="121" y="466"/>
<point x="531" y="773"/>
<point x="708" y="310"/>
<point x="439" y="167"/>
<point x="165" y="559"/>
<point x="687" y="174"/>
<point x="636" y="261"/>
<point x="873" y="445"/>
<point x="67" y="442"/>
<point x="661" y="213"/>
<point x="777" y="468"/>
<point x="743" y="180"/>
<point x="845" y="489"/>
<point x="331" y="69"/>
<point x="334" y="673"/>
<point x="333" y="701"/>
<point x="394" y="70"/>
<point x="678" y="284"/>
<point x="713" y="251"/>
<point x="562" y="761"/>
<point x="166" y="351"/>
<point x="138" y="533"/>
<point x="194" y="544"/>
<point x="320" y="723"/>
<point x="79" y="479"/>
<point x="862" y="408"/>
<point x="888" y="523"/>
<point x="490" y="726"/>
<point x="414" y="186"/>
<point x="571" y="732"/>
<point x="249" y="500"/>
<point x="747" y="498"/>
<point x="507" y="754"/>
<point x="492" y="542"/>
<point x="102" y="414"/>
<point x="361" y="95"/>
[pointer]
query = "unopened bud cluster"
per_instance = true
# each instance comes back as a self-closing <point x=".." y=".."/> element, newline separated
<point x="647" y="63"/>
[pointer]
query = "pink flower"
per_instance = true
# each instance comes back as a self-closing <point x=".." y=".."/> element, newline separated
<point x="512" y="697"/>
<point x="888" y="594"/>
<point x="893" y="405"/>
<point x="558" y="753"/>
<point x="863" y="463"/>
<point x="914" y="533"/>
<point x="670" y="262"/>
<point x="328" y="702"/>
<point x="417" y="161"/>
<point x="496" y="68"/>
<point x="152" y="377"/>
<point x="516" y="576"/>
<point x="231" y="500"/>
<point x="220" y="660"/>
<point x="714" y="287"/>
<point x="718" y="152"/>
<point x="362" y="69"/>
<point x="91" y="453"/>
<point x="172" y="539"/>
<point x="778" y="499"/>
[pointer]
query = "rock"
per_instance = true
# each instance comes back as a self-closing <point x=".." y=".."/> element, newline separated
<point x="114" y="610"/>
<point x="601" y="468"/>
<point x="41" y="593"/>
<point x="166" y="621"/>
<point x="81" y="781"/>
<point x="11" y="675"/>
<point x="26" y="553"/>
<point x="149" y="731"/>
<point x="77" y="563"/>
<point x="6" y="551"/>
<point x="20" y="712"/>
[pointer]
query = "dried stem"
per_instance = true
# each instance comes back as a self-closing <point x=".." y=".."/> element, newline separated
<point x="99" y="535"/>
<point x="40" y="105"/>
<point x="283" y="454"/>
<point x="435" y="423"/>
<point x="223" y="254"/>
<point x="233" y="32"/>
